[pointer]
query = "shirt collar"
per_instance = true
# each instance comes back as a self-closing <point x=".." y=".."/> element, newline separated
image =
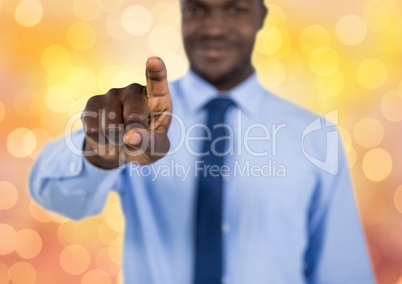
<point x="198" y="92"/>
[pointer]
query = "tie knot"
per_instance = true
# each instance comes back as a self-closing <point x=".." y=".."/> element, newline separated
<point x="220" y="105"/>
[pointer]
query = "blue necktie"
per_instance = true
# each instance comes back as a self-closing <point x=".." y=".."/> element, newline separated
<point x="208" y="231"/>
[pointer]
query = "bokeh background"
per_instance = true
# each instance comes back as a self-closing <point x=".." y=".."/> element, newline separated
<point x="54" y="55"/>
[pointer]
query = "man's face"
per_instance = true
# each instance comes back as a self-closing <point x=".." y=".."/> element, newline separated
<point x="219" y="37"/>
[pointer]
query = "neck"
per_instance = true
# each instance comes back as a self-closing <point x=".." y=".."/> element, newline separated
<point x="228" y="81"/>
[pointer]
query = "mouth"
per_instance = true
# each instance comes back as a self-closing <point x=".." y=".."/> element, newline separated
<point x="213" y="52"/>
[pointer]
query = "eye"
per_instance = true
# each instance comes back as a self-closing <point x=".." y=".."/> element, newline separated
<point x="193" y="11"/>
<point x="235" y="10"/>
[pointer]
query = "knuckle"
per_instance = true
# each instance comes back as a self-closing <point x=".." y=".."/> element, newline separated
<point x="139" y="118"/>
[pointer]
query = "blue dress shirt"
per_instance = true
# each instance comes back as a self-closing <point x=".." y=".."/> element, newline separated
<point x="289" y="212"/>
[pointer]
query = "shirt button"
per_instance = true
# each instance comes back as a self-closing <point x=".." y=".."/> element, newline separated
<point x="225" y="228"/>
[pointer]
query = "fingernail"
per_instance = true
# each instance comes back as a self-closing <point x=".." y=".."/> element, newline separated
<point x="132" y="138"/>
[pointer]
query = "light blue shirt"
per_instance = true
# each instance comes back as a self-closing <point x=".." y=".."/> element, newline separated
<point x="289" y="212"/>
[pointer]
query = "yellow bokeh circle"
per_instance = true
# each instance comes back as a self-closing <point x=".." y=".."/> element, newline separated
<point x="87" y="10"/>
<point x="8" y="239"/>
<point x="82" y="81"/>
<point x="271" y="72"/>
<point x="22" y="273"/>
<point x="176" y="64"/>
<point x="276" y="16"/>
<point x="164" y="39"/>
<point x="42" y="138"/>
<point x="38" y="213"/>
<point x="21" y="142"/>
<point x="376" y="16"/>
<point x="29" y="243"/>
<point x="391" y="106"/>
<point x="114" y="27"/>
<point x="351" y="30"/>
<point x="28" y="13"/>
<point x="372" y="73"/>
<point x="8" y="195"/>
<point x="313" y="37"/>
<point x="377" y="164"/>
<point x="96" y="276"/>
<point x="324" y="61"/>
<point x="55" y="58"/>
<point x="75" y="259"/>
<point x="331" y="85"/>
<point x="269" y="40"/>
<point x="398" y="199"/>
<point x="136" y="20"/>
<point x="111" y="6"/>
<point x="72" y="232"/>
<point x="59" y="98"/>
<point x="368" y="132"/>
<point x="81" y="36"/>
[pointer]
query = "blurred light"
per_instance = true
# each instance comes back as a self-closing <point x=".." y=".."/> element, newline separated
<point x="114" y="27"/>
<point x="375" y="255"/>
<point x="55" y="58"/>
<point x="276" y="16"/>
<point x="28" y="13"/>
<point x="173" y="15"/>
<point x="324" y="61"/>
<point x="72" y="232"/>
<point x="376" y="16"/>
<point x="38" y="213"/>
<point x="75" y="259"/>
<point x="368" y="132"/>
<point x="8" y="239"/>
<point x="398" y="199"/>
<point x="2" y="112"/>
<point x="96" y="276"/>
<point x="59" y="98"/>
<point x="271" y="72"/>
<point x="313" y="37"/>
<point x="106" y="234"/>
<point x="351" y="30"/>
<point x="136" y="20"/>
<point x="164" y="39"/>
<point x="331" y="85"/>
<point x="124" y="79"/>
<point x="372" y="73"/>
<point x="5" y="277"/>
<point x="105" y="77"/>
<point x="22" y="273"/>
<point x="81" y="36"/>
<point x="372" y="208"/>
<point x="115" y="250"/>
<point x="161" y="9"/>
<point x="42" y="138"/>
<point x="8" y="195"/>
<point x="120" y="278"/>
<point x="21" y="142"/>
<point x="377" y="164"/>
<point x="111" y="6"/>
<point x="87" y="10"/>
<point x="269" y="40"/>
<point x="29" y="244"/>
<point x="176" y="65"/>
<point x="82" y="81"/>
<point x="104" y="263"/>
<point x="351" y="157"/>
<point x="391" y="245"/>
<point x="114" y="217"/>
<point x="346" y="138"/>
<point x="391" y="106"/>
<point x="292" y="64"/>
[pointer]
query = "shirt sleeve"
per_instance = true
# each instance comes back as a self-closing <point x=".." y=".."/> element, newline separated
<point x="63" y="181"/>
<point x="337" y="251"/>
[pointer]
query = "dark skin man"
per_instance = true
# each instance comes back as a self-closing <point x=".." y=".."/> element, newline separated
<point x="130" y="124"/>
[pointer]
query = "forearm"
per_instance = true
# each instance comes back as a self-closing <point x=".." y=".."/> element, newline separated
<point x="63" y="181"/>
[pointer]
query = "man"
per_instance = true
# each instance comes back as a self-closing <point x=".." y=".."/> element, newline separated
<point x="260" y="195"/>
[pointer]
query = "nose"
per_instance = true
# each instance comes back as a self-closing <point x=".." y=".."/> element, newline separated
<point x="215" y="24"/>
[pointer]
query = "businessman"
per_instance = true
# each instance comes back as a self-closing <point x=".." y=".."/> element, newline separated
<point x="220" y="181"/>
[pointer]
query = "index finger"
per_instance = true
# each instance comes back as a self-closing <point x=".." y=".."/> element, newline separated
<point x="157" y="84"/>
